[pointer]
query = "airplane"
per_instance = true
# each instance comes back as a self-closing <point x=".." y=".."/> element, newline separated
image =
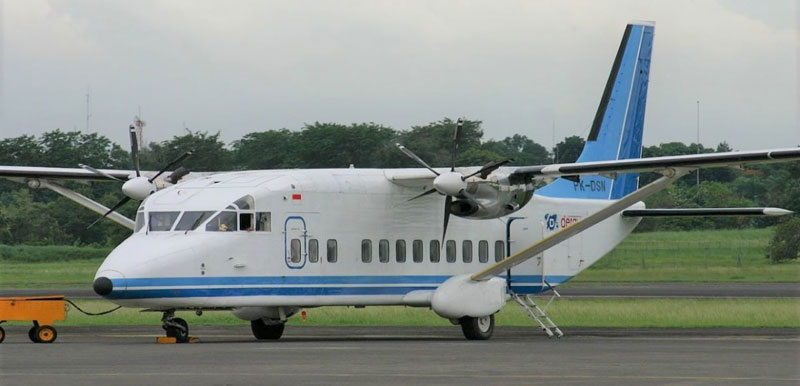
<point x="264" y="244"/>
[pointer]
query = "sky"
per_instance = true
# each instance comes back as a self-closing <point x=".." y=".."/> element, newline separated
<point x="529" y="67"/>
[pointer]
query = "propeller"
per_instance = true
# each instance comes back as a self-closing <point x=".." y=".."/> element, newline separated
<point x="452" y="184"/>
<point x="139" y="187"/>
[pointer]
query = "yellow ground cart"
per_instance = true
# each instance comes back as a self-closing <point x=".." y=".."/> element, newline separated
<point x="42" y="310"/>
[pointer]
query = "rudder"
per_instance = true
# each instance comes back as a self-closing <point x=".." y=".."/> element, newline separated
<point x="618" y="125"/>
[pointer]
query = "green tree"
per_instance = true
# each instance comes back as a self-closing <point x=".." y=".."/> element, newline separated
<point x="785" y="244"/>
<point x="210" y="153"/>
<point x="569" y="149"/>
<point x="523" y="150"/>
<point x="274" y="149"/>
<point x="331" y="145"/>
<point x="433" y="142"/>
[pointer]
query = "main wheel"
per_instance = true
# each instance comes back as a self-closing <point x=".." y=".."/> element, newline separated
<point x="32" y="334"/>
<point x="263" y="330"/>
<point x="2" y="334"/>
<point x="477" y="328"/>
<point x="181" y="334"/>
<point x="46" y="334"/>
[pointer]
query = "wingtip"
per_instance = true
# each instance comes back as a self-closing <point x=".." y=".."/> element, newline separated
<point x="776" y="212"/>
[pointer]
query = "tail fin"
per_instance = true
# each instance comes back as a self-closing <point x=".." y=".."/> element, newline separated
<point x="619" y="122"/>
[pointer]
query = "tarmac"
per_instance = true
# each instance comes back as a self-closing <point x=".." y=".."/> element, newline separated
<point x="404" y="355"/>
<point x="573" y="290"/>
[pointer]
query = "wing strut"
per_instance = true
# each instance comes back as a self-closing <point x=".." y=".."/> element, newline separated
<point x="548" y="242"/>
<point x="83" y="200"/>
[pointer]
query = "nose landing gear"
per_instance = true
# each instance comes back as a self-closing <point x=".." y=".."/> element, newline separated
<point x="175" y="327"/>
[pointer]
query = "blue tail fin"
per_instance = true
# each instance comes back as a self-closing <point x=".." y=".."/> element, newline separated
<point x="619" y="123"/>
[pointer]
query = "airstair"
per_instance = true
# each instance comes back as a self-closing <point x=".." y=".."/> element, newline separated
<point x="539" y="314"/>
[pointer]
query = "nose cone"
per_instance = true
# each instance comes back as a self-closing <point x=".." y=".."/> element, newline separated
<point x="103" y="286"/>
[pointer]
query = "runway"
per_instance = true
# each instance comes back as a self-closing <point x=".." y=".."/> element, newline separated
<point x="575" y="290"/>
<point x="404" y="355"/>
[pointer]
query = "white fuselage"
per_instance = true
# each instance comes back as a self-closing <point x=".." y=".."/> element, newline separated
<point x="369" y="218"/>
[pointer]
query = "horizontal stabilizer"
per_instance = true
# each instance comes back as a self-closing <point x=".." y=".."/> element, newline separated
<point x="683" y="212"/>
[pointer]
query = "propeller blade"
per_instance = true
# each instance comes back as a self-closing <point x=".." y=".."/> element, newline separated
<point x="113" y="208"/>
<point x="170" y="165"/>
<point x="454" y="152"/>
<point x="99" y="172"/>
<point x="425" y="193"/>
<point x="489" y="168"/>
<point x="134" y="149"/>
<point x="413" y="156"/>
<point x="447" y="202"/>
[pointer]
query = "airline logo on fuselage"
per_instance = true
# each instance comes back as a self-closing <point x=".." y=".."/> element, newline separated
<point x="554" y="221"/>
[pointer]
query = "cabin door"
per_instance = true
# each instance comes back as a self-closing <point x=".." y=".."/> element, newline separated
<point x="295" y="242"/>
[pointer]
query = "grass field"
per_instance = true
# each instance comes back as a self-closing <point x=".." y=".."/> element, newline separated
<point x="699" y="256"/>
<point x="680" y="313"/>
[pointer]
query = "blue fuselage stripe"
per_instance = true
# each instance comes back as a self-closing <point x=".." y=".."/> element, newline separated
<point x="294" y="286"/>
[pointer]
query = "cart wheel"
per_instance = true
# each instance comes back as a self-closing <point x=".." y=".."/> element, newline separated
<point x="46" y="334"/>
<point x="32" y="334"/>
<point x="2" y="334"/>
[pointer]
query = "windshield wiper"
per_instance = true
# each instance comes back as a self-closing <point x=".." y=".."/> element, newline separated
<point x="197" y="222"/>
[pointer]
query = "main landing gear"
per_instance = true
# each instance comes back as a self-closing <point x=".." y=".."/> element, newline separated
<point x="271" y="329"/>
<point x="477" y="328"/>
<point x="175" y="327"/>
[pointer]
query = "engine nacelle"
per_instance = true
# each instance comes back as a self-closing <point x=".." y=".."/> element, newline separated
<point x="497" y="195"/>
<point x="460" y="296"/>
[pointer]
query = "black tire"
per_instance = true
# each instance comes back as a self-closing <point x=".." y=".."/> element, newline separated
<point x="477" y="328"/>
<point x="263" y="331"/>
<point x="2" y="334"/>
<point x="46" y="334"/>
<point x="181" y="334"/>
<point x="32" y="334"/>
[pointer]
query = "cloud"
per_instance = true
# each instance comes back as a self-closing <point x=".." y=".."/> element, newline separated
<point x="518" y="66"/>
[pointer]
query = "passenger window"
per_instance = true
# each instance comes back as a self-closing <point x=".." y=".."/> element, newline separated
<point x="162" y="221"/>
<point x="139" y="221"/>
<point x="435" y="249"/>
<point x="246" y="222"/>
<point x="295" y="251"/>
<point x="192" y="219"/>
<point x="333" y="251"/>
<point x="499" y="250"/>
<point x="366" y="251"/>
<point x="416" y="251"/>
<point x="383" y="251"/>
<point x="223" y="222"/>
<point x="400" y="251"/>
<point x="466" y="251"/>
<point x="483" y="251"/>
<point x="264" y="221"/>
<point x="450" y="251"/>
<point x="313" y="250"/>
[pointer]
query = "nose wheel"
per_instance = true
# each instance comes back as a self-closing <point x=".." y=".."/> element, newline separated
<point x="175" y="327"/>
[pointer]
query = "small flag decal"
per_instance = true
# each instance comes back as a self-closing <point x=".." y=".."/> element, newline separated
<point x="297" y="196"/>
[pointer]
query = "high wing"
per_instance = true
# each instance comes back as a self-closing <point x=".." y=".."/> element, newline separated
<point x="672" y="168"/>
<point x="656" y="164"/>
<point x="30" y="172"/>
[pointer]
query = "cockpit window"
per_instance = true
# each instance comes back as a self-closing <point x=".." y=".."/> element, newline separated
<point x="245" y="202"/>
<point x="139" y="222"/>
<point x="162" y="221"/>
<point x="223" y="222"/>
<point x="192" y="219"/>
